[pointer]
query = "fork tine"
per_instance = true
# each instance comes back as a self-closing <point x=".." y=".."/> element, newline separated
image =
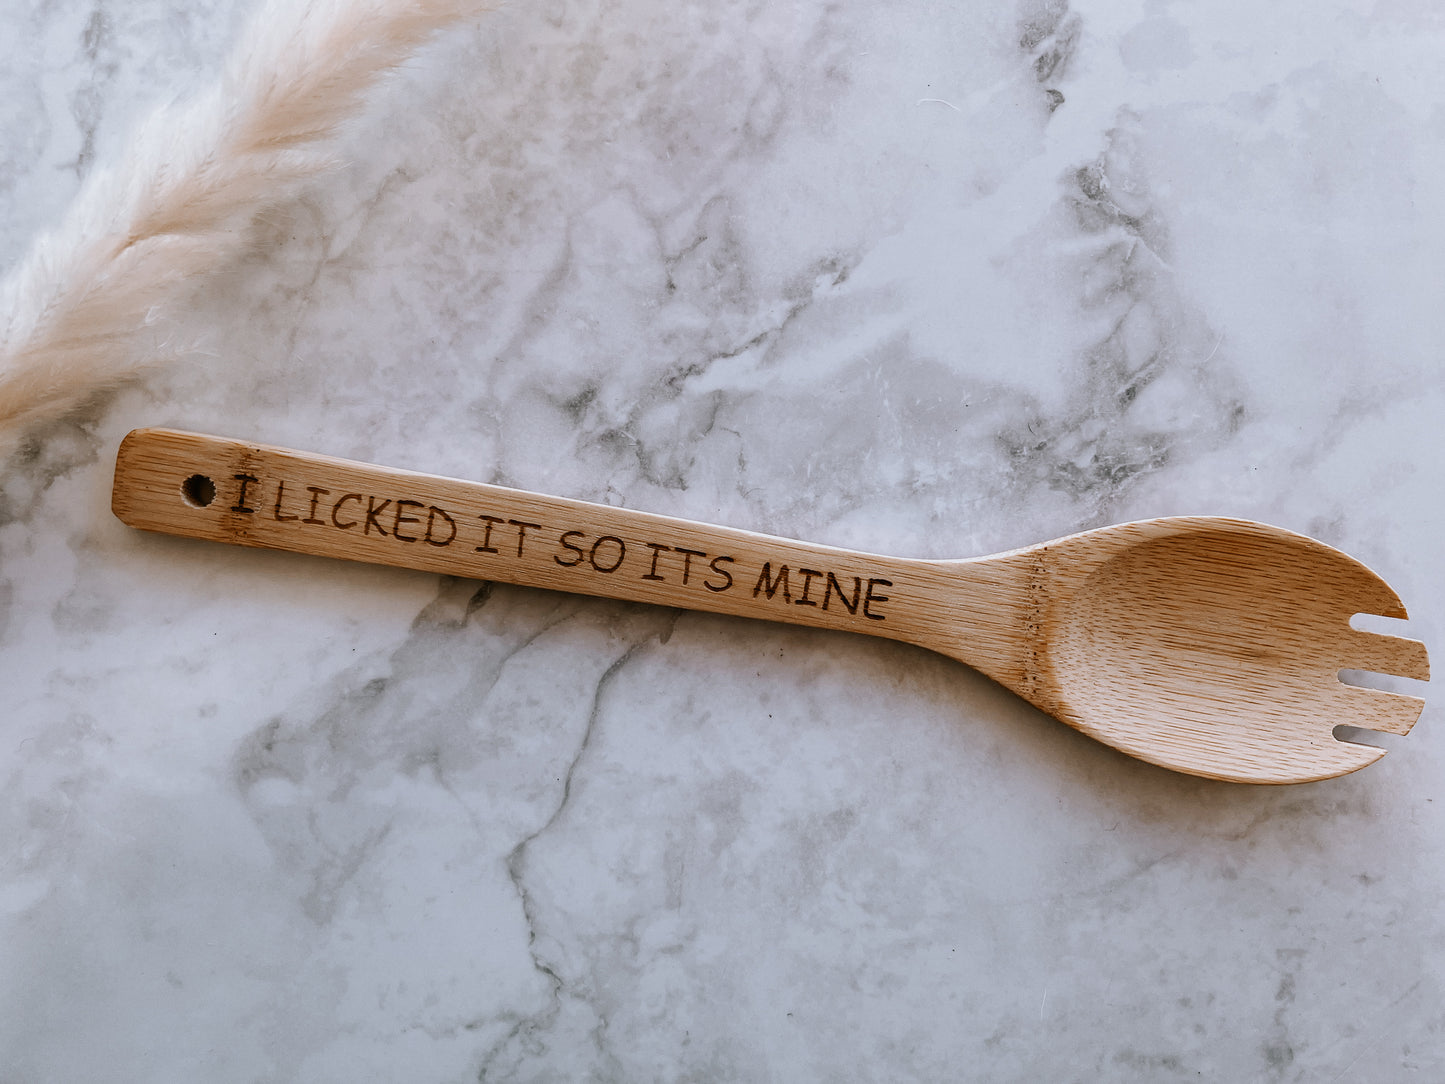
<point x="1359" y="586"/>
<point x="1386" y="655"/>
<point x="1373" y="709"/>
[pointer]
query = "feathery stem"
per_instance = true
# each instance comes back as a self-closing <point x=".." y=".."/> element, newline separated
<point x="86" y="308"/>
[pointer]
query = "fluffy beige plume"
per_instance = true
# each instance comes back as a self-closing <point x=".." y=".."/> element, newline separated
<point x="87" y="307"/>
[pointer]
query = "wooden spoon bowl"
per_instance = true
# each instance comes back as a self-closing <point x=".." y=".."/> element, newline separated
<point x="1214" y="646"/>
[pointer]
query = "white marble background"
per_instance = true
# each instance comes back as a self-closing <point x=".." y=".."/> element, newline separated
<point x="923" y="277"/>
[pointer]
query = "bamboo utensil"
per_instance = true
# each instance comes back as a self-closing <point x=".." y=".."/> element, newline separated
<point x="1211" y="646"/>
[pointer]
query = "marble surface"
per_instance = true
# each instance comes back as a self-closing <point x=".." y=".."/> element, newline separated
<point x="921" y="277"/>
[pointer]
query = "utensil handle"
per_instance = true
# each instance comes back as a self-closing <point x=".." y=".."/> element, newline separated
<point x="254" y="495"/>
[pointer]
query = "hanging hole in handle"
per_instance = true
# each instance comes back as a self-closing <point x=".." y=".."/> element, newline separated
<point x="198" y="490"/>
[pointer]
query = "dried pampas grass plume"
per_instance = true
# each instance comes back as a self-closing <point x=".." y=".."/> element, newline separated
<point x="86" y="307"/>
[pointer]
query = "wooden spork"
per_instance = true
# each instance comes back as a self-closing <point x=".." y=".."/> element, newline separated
<point x="1210" y="646"/>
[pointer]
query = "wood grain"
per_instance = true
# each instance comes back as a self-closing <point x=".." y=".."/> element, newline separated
<point x="1206" y="645"/>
